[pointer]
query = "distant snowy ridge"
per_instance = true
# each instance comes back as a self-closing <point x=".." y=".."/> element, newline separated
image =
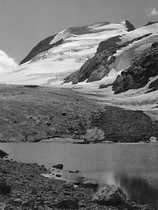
<point x="54" y="58"/>
<point x="7" y="64"/>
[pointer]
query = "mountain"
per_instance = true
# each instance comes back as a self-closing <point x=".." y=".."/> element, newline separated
<point x="88" y="58"/>
<point x="57" y="56"/>
<point x="105" y="78"/>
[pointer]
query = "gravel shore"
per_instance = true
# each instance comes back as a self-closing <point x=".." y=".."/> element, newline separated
<point x="23" y="187"/>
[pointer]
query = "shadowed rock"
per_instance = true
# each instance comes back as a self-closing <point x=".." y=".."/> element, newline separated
<point x="110" y="195"/>
<point x="3" y="154"/>
<point x="138" y="74"/>
<point x="98" y="66"/>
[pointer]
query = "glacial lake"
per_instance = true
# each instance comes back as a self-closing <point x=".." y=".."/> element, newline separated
<point x="133" y="167"/>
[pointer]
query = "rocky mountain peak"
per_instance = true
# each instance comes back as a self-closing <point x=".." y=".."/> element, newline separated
<point x="129" y="25"/>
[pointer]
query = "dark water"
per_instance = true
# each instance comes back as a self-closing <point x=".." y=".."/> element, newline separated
<point x="133" y="167"/>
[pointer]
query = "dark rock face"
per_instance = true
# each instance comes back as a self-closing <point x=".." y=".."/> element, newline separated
<point x="129" y="25"/>
<point x="121" y="125"/>
<point x="139" y="73"/>
<point x="110" y="195"/>
<point x="5" y="189"/>
<point x="153" y="86"/>
<point x="98" y="66"/>
<point x="40" y="47"/>
<point x="3" y="154"/>
<point x="109" y="44"/>
<point x="150" y="23"/>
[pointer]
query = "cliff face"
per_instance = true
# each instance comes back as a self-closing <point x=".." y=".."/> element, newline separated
<point x="138" y="74"/>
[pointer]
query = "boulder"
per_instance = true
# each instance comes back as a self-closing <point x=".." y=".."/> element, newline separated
<point x="142" y="68"/>
<point x="110" y="195"/>
<point x="59" y="166"/>
<point x="153" y="139"/>
<point x="94" y="134"/>
<point x="3" y="154"/>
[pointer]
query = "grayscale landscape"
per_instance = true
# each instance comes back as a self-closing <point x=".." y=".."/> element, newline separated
<point x="79" y="105"/>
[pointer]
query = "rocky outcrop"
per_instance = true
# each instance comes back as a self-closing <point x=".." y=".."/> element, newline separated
<point x="129" y="25"/>
<point x="3" y="154"/>
<point x="99" y="66"/>
<point x="121" y="125"/>
<point x="153" y="86"/>
<point x="94" y="69"/>
<point x="150" y="23"/>
<point x="110" y="195"/>
<point x="138" y="74"/>
<point x="113" y="196"/>
<point x="5" y="189"/>
<point x="94" y="135"/>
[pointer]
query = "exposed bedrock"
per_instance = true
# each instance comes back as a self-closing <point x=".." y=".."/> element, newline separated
<point x="138" y="74"/>
<point x="100" y="65"/>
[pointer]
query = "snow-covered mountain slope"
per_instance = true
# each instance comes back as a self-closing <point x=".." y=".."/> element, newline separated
<point x="87" y="58"/>
<point x="115" y="54"/>
<point x="63" y="53"/>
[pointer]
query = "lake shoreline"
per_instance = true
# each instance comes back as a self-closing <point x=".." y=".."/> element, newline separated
<point x="28" y="188"/>
<point x="65" y="140"/>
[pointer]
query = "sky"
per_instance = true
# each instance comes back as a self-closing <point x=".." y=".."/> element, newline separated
<point x="23" y="23"/>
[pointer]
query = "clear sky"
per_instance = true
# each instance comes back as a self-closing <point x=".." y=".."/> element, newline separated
<point x="23" y="23"/>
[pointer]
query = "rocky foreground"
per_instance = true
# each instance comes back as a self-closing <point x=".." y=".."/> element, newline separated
<point x="23" y="187"/>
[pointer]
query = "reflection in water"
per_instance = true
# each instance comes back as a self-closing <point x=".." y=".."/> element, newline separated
<point x="139" y="189"/>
